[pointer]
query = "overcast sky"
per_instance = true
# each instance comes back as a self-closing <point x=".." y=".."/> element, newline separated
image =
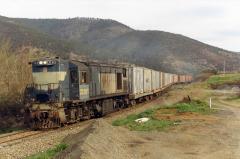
<point x="216" y="22"/>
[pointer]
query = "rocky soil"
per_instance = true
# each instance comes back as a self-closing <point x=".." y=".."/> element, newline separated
<point x="35" y="144"/>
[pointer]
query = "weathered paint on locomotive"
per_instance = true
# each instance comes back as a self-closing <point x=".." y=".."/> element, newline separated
<point x="107" y="80"/>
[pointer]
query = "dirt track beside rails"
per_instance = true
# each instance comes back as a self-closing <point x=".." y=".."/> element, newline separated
<point x="208" y="137"/>
<point x="196" y="140"/>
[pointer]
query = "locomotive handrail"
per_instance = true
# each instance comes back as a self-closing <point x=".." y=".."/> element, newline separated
<point x="49" y="85"/>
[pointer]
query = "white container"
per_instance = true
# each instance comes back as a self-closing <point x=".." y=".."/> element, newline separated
<point x="137" y="80"/>
<point x="155" y="80"/>
<point x="147" y="77"/>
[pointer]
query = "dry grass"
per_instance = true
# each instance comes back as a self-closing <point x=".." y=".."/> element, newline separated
<point x="227" y="79"/>
<point x="15" y="72"/>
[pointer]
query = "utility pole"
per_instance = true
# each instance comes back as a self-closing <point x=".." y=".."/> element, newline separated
<point x="210" y="103"/>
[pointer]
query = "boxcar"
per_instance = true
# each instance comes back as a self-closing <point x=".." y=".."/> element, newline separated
<point x="167" y="79"/>
<point x="155" y="81"/>
<point x="140" y="81"/>
<point x="136" y="80"/>
<point x="147" y="80"/>
<point x="175" y="78"/>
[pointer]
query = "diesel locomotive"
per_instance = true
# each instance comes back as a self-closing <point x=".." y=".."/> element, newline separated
<point x="68" y="91"/>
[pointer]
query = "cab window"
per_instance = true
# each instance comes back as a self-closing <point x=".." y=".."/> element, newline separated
<point x="124" y="72"/>
<point x="74" y="76"/>
<point x="119" y="81"/>
<point x="83" y="77"/>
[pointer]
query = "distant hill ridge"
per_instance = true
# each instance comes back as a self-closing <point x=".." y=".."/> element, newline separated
<point x="108" y="39"/>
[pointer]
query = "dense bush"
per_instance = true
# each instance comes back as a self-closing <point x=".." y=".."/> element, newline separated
<point x="15" y="72"/>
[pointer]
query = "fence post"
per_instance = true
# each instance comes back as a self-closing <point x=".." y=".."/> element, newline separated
<point x="210" y="103"/>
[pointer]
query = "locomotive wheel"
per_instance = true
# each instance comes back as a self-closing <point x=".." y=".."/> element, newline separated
<point x="132" y="102"/>
<point x="150" y="97"/>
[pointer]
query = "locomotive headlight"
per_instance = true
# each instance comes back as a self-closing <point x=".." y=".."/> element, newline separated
<point x="44" y="62"/>
<point x="40" y="62"/>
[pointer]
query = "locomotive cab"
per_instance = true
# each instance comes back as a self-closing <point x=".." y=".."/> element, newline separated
<point x="78" y="81"/>
<point x="58" y="80"/>
<point x="49" y="80"/>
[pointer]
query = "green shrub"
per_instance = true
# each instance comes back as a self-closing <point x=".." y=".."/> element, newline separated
<point x="217" y="80"/>
<point x="193" y="106"/>
<point x="49" y="154"/>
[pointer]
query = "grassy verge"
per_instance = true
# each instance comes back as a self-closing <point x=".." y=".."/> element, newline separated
<point x="236" y="97"/>
<point x="196" y="106"/>
<point x="157" y="124"/>
<point x="9" y="130"/>
<point x="218" y="80"/>
<point x="49" y="154"/>
<point x="152" y="124"/>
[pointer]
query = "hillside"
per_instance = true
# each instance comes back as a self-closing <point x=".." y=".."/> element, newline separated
<point x="19" y="36"/>
<point x="109" y="39"/>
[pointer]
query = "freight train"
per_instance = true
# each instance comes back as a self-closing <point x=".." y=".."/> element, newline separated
<point x="68" y="91"/>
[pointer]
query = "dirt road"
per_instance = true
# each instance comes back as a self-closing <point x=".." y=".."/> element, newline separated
<point x="233" y="125"/>
<point x="216" y="136"/>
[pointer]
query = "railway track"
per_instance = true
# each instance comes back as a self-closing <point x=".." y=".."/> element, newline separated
<point x="18" y="137"/>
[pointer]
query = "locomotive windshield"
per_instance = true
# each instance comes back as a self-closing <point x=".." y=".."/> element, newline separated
<point x="48" y="72"/>
<point x="48" y="75"/>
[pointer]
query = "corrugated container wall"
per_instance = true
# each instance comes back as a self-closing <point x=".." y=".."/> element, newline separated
<point x="147" y="80"/>
<point x="160" y="79"/>
<point x="181" y="78"/>
<point x="155" y="80"/>
<point x="163" y="80"/>
<point x="137" y="80"/>
<point x="167" y="79"/>
<point x="175" y="78"/>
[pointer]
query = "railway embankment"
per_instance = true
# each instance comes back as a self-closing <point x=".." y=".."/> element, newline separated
<point x="223" y="80"/>
<point x="189" y="129"/>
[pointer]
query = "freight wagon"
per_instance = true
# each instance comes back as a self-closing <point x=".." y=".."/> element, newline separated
<point x="67" y="91"/>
